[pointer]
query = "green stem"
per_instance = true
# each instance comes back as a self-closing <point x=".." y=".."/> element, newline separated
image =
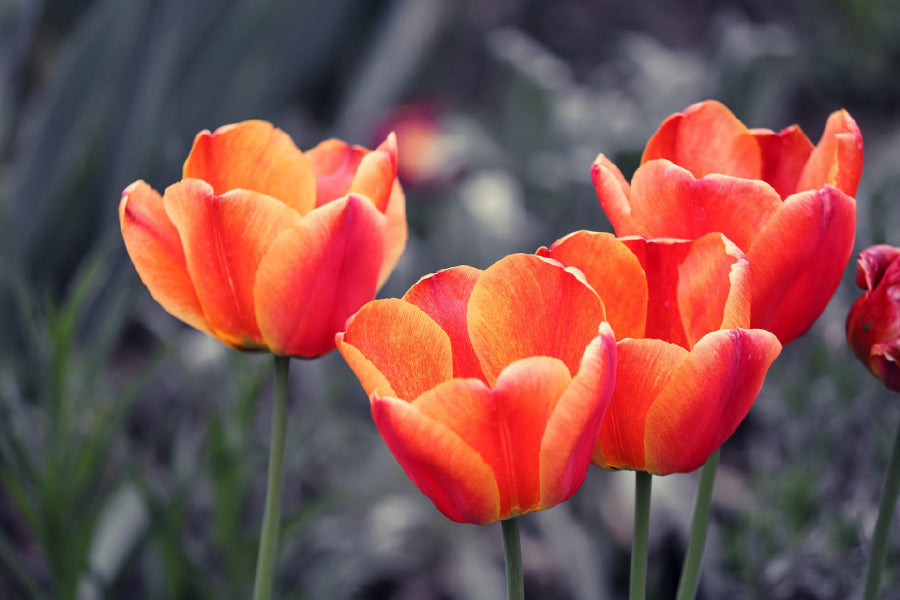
<point x="268" y="542"/>
<point x="515" y="586"/>
<point x="690" y="572"/>
<point x="642" y="487"/>
<point x="883" y="524"/>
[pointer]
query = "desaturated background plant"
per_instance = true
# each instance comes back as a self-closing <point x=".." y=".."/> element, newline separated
<point x="130" y="466"/>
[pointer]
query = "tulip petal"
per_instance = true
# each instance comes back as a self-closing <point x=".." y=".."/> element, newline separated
<point x="884" y="361"/>
<point x="838" y="157"/>
<point x="613" y="271"/>
<point x="784" y="155"/>
<point x="706" y="398"/>
<point x="525" y="305"/>
<point x="614" y="193"/>
<point x="395" y="233"/>
<point x="396" y="349"/>
<point x="376" y="173"/>
<point x="224" y="239"/>
<point x="667" y="201"/>
<point x="706" y="138"/>
<point x="253" y="155"/>
<point x="791" y="289"/>
<point x="447" y="470"/>
<point x="643" y="367"/>
<point x="574" y="424"/>
<point x="334" y="163"/>
<point x="318" y="273"/>
<point x="873" y="263"/>
<point x="155" y="249"/>
<point x="444" y="296"/>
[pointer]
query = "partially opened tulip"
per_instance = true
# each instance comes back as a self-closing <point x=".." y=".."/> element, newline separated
<point x="873" y="324"/>
<point x="787" y="204"/>
<point x="873" y="330"/>
<point x="265" y="247"/>
<point x="488" y="386"/>
<point x="689" y="368"/>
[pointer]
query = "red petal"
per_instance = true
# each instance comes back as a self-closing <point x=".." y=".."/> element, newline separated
<point x="437" y="460"/>
<point x="784" y="155"/>
<point x="642" y="369"/>
<point x="667" y="201"/>
<point x="838" y="157"/>
<point x="525" y="305"/>
<point x="155" y="249"/>
<point x="376" y="173"/>
<point x="224" y="239"/>
<point x="395" y="233"/>
<point x="574" y="424"/>
<point x="613" y="271"/>
<point x="317" y="274"/>
<point x="253" y="155"/>
<point x="694" y="286"/>
<point x="872" y="264"/>
<point x="614" y="194"/>
<point x="884" y="362"/>
<point x="798" y="259"/>
<point x="706" y="398"/>
<point x="335" y="163"/>
<point x="706" y="138"/>
<point x="444" y="296"/>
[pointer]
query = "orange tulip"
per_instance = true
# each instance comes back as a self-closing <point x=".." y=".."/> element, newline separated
<point x="265" y="247"/>
<point x="788" y="205"/>
<point x="488" y="386"/>
<point x="873" y="324"/>
<point x="688" y="369"/>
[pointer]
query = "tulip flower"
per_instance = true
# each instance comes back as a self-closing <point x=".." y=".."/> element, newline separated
<point x="873" y="324"/>
<point x="787" y="204"/>
<point x="265" y="247"/>
<point x="689" y="368"/>
<point x="488" y="386"/>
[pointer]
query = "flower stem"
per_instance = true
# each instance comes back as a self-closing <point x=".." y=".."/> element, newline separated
<point x="642" y="487"/>
<point x="268" y="542"/>
<point x="690" y="572"/>
<point x="515" y="586"/>
<point x="883" y="524"/>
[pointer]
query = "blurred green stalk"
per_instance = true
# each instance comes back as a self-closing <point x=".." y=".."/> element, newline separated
<point x="512" y="546"/>
<point x="268" y="542"/>
<point x="883" y="524"/>
<point x="643" y="482"/>
<point x="693" y="561"/>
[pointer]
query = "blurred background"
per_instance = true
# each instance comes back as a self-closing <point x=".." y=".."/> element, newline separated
<point x="133" y="450"/>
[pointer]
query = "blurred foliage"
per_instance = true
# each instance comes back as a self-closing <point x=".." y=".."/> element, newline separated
<point x="133" y="450"/>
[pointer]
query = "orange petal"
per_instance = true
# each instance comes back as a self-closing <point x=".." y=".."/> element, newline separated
<point x="318" y="273"/>
<point x="706" y="398"/>
<point x="614" y="193"/>
<point x="396" y="349"/>
<point x="706" y="138"/>
<point x="395" y="233"/>
<point x="376" y="173"/>
<point x="574" y="424"/>
<point x="525" y="305"/>
<point x="155" y="249"/>
<point x="253" y="155"/>
<point x="667" y="201"/>
<point x="695" y="286"/>
<point x="784" y="155"/>
<point x="838" y="157"/>
<point x="444" y="296"/>
<point x="437" y="460"/>
<point x="798" y="259"/>
<point x="224" y="239"/>
<point x="613" y="271"/>
<point x="642" y="369"/>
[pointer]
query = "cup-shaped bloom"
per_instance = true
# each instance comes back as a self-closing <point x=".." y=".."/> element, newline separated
<point x="787" y="204"/>
<point x="488" y="387"/>
<point x="688" y="369"/>
<point x="873" y="324"/>
<point x="265" y="247"/>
